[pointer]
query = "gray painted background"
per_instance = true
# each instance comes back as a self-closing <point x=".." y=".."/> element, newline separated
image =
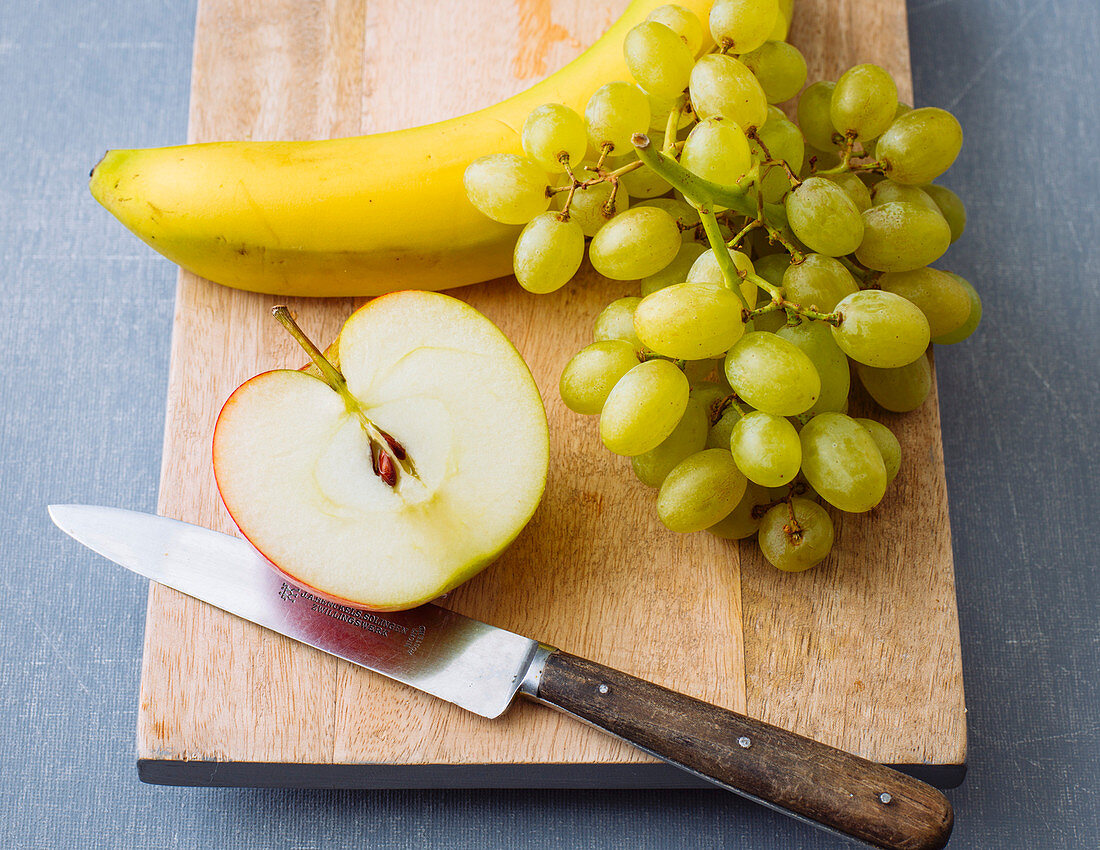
<point x="85" y="316"/>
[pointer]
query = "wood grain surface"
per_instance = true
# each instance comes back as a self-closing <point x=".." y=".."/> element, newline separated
<point x="861" y="653"/>
<point x="850" y="795"/>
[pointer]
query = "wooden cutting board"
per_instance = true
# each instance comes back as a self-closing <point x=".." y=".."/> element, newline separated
<point x="861" y="652"/>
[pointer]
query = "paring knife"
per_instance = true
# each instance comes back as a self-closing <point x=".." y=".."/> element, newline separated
<point x="482" y="668"/>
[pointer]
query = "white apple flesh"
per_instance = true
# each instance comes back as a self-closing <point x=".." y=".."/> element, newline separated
<point x="293" y="462"/>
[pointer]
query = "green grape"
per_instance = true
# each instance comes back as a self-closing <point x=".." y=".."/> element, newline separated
<point x="881" y="329"/>
<point x="689" y="321"/>
<point x="643" y="408"/>
<point x="552" y="130"/>
<point x="644" y="183"/>
<point x="687" y="438"/>
<point x="635" y="244"/>
<point x="588" y="206"/>
<point x="943" y="300"/>
<point x="705" y="269"/>
<point x="676" y="271"/>
<point x="774" y="183"/>
<point x="780" y="67"/>
<point x="683" y="213"/>
<point x="783" y="141"/>
<point x="548" y="252"/>
<point x="766" y="448"/>
<point x="776" y="114"/>
<point x="857" y="190"/>
<point x="871" y="179"/>
<point x="710" y="394"/>
<point x="818" y="282"/>
<point x="742" y="25"/>
<point x="864" y="102"/>
<point x="507" y="188"/>
<point x="899" y="236"/>
<point x="888" y="446"/>
<point x="796" y="546"/>
<point x="590" y="374"/>
<point x="717" y="150"/>
<point x="684" y="22"/>
<point x="701" y="370"/>
<point x="772" y="374"/>
<point x="616" y="321"/>
<point x="818" y="160"/>
<point x="970" y="325"/>
<point x="615" y="113"/>
<point x="659" y="110"/>
<point x="720" y="432"/>
<point x="899" y="390"/>
<point x="768" y="322"/>
<point x="798" y="487"/>
<point x="740" y="523"/>
<point x="823" y="216"/>
<point x="814" y="119"/>
<point x="722" y="85"/>
<point x="841" y="461"/>
<point x="641" y="183"/>
<point x="951" y="207"/>
<point x="782" y="21"/>
<point x="887" y="191"/>
<point x="920" y="145"/>
<point x="816" y="341"/>
<point x="700" y="490"/>
<point x="773" y="267"/>
<point x="658" y="58"/>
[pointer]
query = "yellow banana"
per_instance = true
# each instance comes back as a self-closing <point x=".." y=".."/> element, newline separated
<point x="342" y="217"/>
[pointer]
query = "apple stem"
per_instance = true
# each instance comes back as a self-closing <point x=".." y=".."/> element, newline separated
<point x="386" y="453"/>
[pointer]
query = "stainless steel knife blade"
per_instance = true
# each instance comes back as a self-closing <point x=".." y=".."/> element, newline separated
<point x="481" y="668"/>
<point x="474" y="665"/>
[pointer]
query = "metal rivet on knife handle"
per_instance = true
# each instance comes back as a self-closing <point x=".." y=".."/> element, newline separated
<point x="805" y="779"/>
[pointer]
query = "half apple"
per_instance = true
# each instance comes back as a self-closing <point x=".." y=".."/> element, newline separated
<point x="407" y="480"/>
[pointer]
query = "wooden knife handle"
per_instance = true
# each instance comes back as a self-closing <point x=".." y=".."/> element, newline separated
<point x="800" y="777"/>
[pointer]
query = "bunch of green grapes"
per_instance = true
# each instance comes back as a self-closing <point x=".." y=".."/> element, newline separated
<point x="769" y="260"/>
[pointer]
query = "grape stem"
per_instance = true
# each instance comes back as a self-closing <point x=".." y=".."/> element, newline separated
<point x="564" y="160"/>
<point x="720" y="407"/>
<point x="626" y="169"/>
<point x="868" y="278"/>
<point x="776" y="235"/>
<point x="609" y="205"/>
<point x="730" y="273"/>
<point x="793" y="529"/>
<point x="601" y="176"/>
<point x="875" y="165"/>
<point x="699" y="192"/>
<point x="778" y="302"/>
<point x="771" y="162"/>
<point x="845" y="159"/>
<point x="795" y="488"/>
<point x="703" y="195"/>
<point x="745" y="231"/>
<point x="672" y="126"/>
